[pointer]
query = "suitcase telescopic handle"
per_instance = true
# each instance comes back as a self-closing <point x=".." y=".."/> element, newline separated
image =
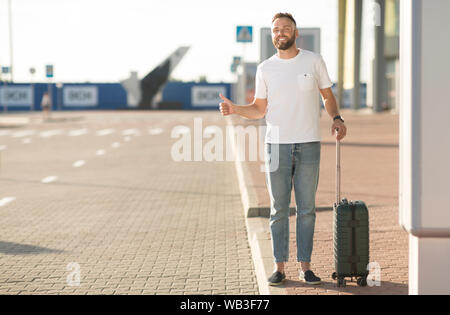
<point x="338" y="171"/>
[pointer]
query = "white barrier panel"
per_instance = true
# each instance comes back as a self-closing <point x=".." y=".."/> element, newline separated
<point x="207" y="95"/>
<point x="424" y="114"/>
<point x="424" y="144"/>
<point x="80" y="96"/>
<point x="16" y="96"/>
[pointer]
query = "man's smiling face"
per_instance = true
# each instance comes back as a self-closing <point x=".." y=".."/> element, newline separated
<point x="284" y="33"/>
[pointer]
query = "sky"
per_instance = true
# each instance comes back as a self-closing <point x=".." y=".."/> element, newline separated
<point x="103" y="40"/>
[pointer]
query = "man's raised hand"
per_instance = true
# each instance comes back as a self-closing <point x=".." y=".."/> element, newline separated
<point x="226" y="107"/>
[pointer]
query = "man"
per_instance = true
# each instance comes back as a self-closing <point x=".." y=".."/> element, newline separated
<point x="286" y="94"/>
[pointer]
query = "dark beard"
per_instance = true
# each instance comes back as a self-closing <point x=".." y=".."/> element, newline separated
<point x="286" y="45"/>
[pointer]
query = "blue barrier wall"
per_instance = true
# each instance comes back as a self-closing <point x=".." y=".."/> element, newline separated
<point x="196" y="96"/>
<point x="191" y="96"/>
<point x="103" y="96"/>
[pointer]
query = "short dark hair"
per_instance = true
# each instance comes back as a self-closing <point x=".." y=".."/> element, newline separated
<point x="284" y="15"/>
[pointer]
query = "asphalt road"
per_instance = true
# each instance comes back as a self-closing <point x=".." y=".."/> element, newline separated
<point x="93" y="203"/>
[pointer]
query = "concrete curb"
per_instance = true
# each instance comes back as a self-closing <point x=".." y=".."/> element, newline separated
<point x="257" y="228"/>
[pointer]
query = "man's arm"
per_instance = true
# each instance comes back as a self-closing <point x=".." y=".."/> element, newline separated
<point x="256" y="110"/>
<point x="332" y="109"/>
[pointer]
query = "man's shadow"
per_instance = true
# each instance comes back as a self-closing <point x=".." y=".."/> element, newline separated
<point x="10" y="248"/>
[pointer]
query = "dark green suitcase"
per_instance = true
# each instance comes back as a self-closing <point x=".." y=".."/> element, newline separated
<point x="351" y="236"/>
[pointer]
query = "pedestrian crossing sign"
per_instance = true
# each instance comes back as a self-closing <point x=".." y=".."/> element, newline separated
<point x="244" y="34"/>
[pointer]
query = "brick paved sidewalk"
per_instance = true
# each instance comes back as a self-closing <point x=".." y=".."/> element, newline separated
<point x="131" y="219"/>
<point x="369" y="173"/>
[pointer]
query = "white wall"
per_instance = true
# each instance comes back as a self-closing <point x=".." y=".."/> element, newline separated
<point x="425" y="142"/>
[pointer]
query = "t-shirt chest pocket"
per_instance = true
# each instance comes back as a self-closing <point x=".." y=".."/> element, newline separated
<point x="306" y="81"/>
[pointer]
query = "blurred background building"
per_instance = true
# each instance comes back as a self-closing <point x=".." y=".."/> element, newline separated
<point x="380" y="91"/>
<point x="376" y="90"/>
<point x="383" y="79"/>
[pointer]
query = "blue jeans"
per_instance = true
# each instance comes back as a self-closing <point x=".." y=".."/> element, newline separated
<point x="298" y="164"/>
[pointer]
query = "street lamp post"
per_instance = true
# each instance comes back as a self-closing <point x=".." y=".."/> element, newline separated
<point x="32" y="72"/>
<point x="59" y="87"/>
<point x="11" y="58"/>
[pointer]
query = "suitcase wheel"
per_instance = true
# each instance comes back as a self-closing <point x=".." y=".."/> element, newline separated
<point x="362" y="282"/>
<point x="334" y="276"/>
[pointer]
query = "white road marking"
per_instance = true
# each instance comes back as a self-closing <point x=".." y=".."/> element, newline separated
<point x="155" y="131"/>
<point x="5" y="132"/>
<point x="115" y="144"/>
<point x="50" y="133"/>
<point x="23" y="133"/>
<point x="130" y="132"/>
<point x="26" y="140"/>
<point x="6" y="200"/>
<point x="79" y="163"/>
<point x="2" y="147"/>
<point x="100" y="152"/>
<point x="127" y="138"/>
<point x="105" y="132"/>
<point x="49" y="179"/>
<point x="181" y="130"/>
<point x="78" y="132"/>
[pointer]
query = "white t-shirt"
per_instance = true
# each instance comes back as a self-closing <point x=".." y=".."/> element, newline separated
<point x="291" y="88"/>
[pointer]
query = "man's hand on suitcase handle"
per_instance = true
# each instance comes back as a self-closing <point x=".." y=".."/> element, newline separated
<point x="340" y="129"/>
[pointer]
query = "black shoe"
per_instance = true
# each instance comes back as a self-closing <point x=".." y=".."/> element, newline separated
<point x="309" y="277"/>
<point x="277" y="278"/>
